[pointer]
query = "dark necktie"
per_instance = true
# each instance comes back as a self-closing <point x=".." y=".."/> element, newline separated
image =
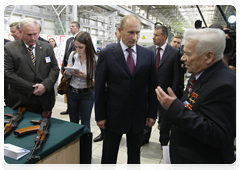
<point x="30" y="50"/>
<point x="130" y="61"/>
<point x="191" y="81"/>
<point x="71" y="42"/>
<point x="158" y="59"/>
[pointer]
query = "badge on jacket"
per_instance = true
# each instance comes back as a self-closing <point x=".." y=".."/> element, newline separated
<point x="47" y="59"/>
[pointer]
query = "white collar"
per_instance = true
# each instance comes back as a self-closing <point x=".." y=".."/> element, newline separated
<point x="198" y="75"/>
<point x="28" y="45"/>
<point x="124" y="47"/>
<point x="163" y="46"/>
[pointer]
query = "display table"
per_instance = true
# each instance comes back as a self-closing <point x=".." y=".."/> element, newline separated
<point x="66" y="143"/>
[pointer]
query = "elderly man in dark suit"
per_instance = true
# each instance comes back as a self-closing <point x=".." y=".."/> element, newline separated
<point x="204" y="120"/>
<point x="168" y="69"/>
<point x="129" y="71"/>
<point x="31" y="70"/>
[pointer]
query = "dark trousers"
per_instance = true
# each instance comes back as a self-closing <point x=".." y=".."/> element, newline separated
<point x="146" y="133"/>
<point x="80" y="102"/>
<point x="148" y="130"/>
<point x="111" y="143"/>
<point x="165" y="128"/>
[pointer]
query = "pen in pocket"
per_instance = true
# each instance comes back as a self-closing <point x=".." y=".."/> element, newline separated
<point x="68" y="64"/>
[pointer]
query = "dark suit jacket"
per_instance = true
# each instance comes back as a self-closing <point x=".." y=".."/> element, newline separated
<point x="67" y="48"/>
<point x="5" y="83"/>
<point x="42" y="39"/>
<point x="169" y="69"/>
<point x="6" y="41"/>
<point x="126" y="104"/>
<point x="206" y="133"/>
<point x="20" y="74"/>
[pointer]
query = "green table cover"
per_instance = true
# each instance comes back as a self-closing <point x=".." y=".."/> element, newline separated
<point x="61" y="133"/>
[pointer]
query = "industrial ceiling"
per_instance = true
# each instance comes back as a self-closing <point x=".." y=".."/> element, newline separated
<point x="176" y="17"/>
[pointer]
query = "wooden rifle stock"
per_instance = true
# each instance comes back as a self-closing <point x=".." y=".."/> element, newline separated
<point x="26" y="130"/>
<point x="15" y="119"/>
<point x="9" y="115"/>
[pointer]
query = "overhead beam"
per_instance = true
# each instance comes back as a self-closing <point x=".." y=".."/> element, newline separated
<point x="122" y="11"/>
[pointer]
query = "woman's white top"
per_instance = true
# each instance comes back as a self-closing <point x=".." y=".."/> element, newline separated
<point x="76" y="82"/>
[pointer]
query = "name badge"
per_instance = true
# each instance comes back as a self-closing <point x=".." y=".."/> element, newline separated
<point x="47" y="59"/>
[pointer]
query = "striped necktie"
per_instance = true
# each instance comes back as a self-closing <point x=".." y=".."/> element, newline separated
<point x="30" y="50"/>
<point x="191" y="81"/>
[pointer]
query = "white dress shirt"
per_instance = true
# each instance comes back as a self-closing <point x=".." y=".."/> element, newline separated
<point x="198" y="75"/>
<point x="125" y="52"/>
<point x="76" y="82"/>
<point x="162" y="50"/>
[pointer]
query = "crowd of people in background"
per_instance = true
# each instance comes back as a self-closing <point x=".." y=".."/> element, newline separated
<point x="132" y="87"/>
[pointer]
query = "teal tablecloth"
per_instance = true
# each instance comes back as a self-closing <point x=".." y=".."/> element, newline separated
<point x="61" y="133"/>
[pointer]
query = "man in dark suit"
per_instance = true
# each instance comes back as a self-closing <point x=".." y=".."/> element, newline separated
<point x="74" y="29"/>
<point x="129" y="75"/>
<point x="204" y="120"/>
<point x="168" y="75"/>
<point x="31" y="70"/>
<point x="176" y="42"/>
<point x="118" y="36"/>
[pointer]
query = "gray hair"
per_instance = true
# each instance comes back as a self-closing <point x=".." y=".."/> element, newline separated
<point x="209" y="39"/>
<point x="27" y="21"/>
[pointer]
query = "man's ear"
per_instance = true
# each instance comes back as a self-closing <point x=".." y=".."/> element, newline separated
<point x="165" y="36"/>
<point x="119" y="30"/>
<point x="209" y="57"/>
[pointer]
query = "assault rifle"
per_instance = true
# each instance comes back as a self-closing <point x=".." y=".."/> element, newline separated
<point x="42" y="131"/>
<point x="11" y="123"/>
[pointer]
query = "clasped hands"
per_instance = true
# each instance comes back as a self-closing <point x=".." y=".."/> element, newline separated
<point x="39" y="89"/>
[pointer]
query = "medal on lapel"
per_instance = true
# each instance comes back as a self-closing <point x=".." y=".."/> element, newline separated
<point x="190" y="91"/>
<point x="192" y="96"/>
<point x="187" y="105"/>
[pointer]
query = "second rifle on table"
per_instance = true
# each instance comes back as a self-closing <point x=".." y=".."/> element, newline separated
<point x="42" y="132"/>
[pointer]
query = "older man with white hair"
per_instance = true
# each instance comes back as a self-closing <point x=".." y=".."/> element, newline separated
<point x="31" y="70"/>
<point x="204" y="120"/>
